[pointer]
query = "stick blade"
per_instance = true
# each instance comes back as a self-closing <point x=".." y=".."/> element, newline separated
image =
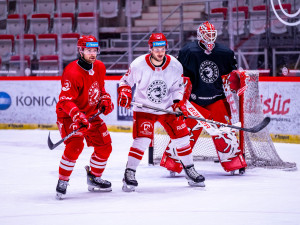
<point x="50" y="143"/>
<point x="260" y="126"/>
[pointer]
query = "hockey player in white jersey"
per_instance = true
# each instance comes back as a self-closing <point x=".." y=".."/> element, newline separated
<point x="159" y="82"/>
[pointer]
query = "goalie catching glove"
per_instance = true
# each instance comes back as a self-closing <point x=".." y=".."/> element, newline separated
<point x="105" y="104"/>
<point x="124" y="96"/>
<point x="179" y="106"/>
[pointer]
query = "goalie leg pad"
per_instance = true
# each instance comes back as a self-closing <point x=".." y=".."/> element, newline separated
<point x="229" y="152"/>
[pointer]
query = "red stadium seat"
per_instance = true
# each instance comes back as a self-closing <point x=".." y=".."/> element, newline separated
<point x="6" y="46"/>
<point x="3" y="9"/>
<point x="39" y="24"/>
<point x="67" y="6"/>
<point x="29" y="46"/>
<point x="108" y="8"/>
<point x="45" y="6"/>
<point x="69" y="46"/>
<point x="217" y="18"/>
<point x="64" y="24"/>
<point x="26" y="6"/>
<point x="13" y="24"/>
<point x="87" y="6"/>
<point x="239" y="19"/>
<point x="49" y="65"/>
<point x="86" y="24"/>
<point x="14" y="65"/>
<point x="46" y="45"/>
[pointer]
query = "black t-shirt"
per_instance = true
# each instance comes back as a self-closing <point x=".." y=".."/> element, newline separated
<point x="205" y="71"/>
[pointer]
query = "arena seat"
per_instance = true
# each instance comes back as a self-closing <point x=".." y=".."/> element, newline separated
<point x="6" y="46"/>
<point x="46" y="45"/>
<point x="239" y="16"/>
<point x="45" y="6"/>
<point x="86" y="24"/>
<point x="257" y="22"/>
<point x="49" y="63"/>
<point x="67" y="6"/>
<point x="217" y="18"/>
<point x="3" y="9"/>
<point x="87" y="6"/>
<point x="69" y="46"/>
<point x="66" y="24"/>
<point x="14" y="65"/>
<point x="27" y="7"/>
<point x="108" y="8"/>
<point x="29" y="47"/>
<point x="39" y="24"/>
<point x="13" y="24"/>
<point x="135" y="8"/>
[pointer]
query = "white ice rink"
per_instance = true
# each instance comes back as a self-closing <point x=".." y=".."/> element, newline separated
<point x="29" y="173"/>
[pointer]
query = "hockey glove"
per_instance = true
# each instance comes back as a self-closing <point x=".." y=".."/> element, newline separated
<point x="80" y="120"/>
<point x="179" y="106"/>
<point x="234" y="81"/>
<point x="125" y="96"/>
<point x="105" y="104"/>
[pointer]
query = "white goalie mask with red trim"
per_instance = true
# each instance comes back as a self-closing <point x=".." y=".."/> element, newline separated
<point x="207" y="35"/>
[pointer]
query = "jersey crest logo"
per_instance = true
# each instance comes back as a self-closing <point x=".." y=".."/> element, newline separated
<point x="94" y="94"/>
<point x="66" y="86"/>
<point x="209" y="71"/>
<point x="156" y="91"/>
<point x="146" y="128"/>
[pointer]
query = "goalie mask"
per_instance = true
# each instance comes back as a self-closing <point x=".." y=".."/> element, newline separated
<point x="207" y="35"/>
<point x="88" y="42"/>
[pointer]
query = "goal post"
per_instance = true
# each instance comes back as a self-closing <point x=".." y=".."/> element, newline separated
<point x="247" y="108"/>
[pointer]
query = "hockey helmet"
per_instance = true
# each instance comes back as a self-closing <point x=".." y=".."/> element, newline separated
<point x="157" y="40"/>
<point x="87" y="41"/>
<point x="207" y="35"/>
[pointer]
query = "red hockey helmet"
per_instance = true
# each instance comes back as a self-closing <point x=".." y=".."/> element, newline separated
<point x="157" y="40"/>
<point x="207" y="35"/>
<point x="87" y="41"/>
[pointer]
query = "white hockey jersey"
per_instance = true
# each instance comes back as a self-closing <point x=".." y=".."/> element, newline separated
<point x="155" y="86"/>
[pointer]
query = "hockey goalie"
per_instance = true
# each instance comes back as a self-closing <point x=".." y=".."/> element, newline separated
<point x="225" y="140"/>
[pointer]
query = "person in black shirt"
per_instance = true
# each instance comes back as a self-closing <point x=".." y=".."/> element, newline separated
<point x="205" y="62"/>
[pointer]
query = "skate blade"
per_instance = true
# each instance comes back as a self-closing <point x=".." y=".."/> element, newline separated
<point x="194" y="184"/>
<point x="172" y="174"/>
<point x="59" y="196"/>
<point x="97" y="189"/>
<point x="128" y="188"/>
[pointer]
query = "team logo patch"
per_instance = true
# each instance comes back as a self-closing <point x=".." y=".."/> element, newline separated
<point x="209" y="71"/>
<point x="159" y="43"/>
<point x="94" y="94"/>
<point x="156" y="91"/>
<point x="66" y="86"/>
<point x="92" y="44"/>
<point x="146" y="128"/>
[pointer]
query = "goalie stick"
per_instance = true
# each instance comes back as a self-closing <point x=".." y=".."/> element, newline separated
<point x="53" y="146"/>
<point x="254" y="129"/>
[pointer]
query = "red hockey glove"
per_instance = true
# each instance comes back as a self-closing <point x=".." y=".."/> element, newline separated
<point x="105" y="104"/>
<point x="80" y="120"/>
<point x="179" y="106"/>
<point x="234" y="81"/>
<point x="125" y="96"/>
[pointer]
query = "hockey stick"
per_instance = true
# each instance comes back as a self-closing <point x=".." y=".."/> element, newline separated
<point x="254" y="129"/>
<point x="53" y="146"/>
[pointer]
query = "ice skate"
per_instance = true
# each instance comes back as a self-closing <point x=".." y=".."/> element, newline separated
<point x="241" y="171"/>
<point x="194" y="178"/>
<point x="96" y="184"/>
<point x="129" y="181"/>
<point x="61" y="189"/>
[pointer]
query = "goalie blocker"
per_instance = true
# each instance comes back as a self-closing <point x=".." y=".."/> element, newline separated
<point x="227" y="147"/>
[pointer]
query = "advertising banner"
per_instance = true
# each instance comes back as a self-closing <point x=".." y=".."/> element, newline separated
<point x="33" y="102"/>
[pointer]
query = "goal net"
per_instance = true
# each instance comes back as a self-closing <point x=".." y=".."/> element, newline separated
<point x="258" y="147"/>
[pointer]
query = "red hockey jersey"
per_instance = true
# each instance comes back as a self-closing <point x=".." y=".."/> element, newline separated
<point x="82" y="87"/>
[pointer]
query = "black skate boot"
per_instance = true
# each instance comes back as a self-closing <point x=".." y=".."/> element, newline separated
<point x="129" y="181"/>
<point x="96" y="183"/>
<point x="61" y="189"/>
<point x="194" y="178"/>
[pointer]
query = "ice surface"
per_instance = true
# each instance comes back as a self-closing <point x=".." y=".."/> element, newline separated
<point x="29" y="173"/>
